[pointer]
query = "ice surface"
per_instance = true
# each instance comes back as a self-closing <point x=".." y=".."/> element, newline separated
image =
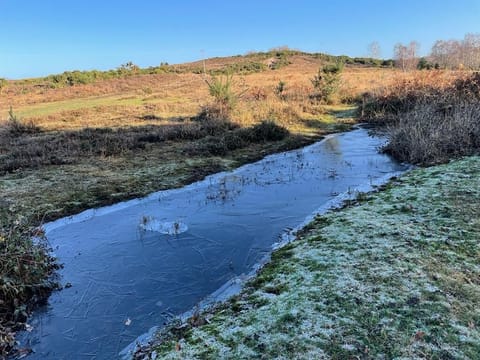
<point x="150" y="259"/>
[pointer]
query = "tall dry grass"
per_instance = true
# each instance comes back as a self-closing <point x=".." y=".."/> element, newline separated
<point x="429" y="119"/>
<point x="401" y="92"/>
<point x="130" y="101"/>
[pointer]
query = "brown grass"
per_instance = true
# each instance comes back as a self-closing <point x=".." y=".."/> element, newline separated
<point x="429" y="119"/>
<point x="32" y="150"/>
<point x="402" y="90"/>
<point x="429" y="134"/>
<point x="147" y="99"/>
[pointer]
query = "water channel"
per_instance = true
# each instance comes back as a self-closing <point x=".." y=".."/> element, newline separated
<point x="137" y="264"/>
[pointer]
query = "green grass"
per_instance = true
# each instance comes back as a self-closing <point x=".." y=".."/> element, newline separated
<point x="396" y="276"/>
<point x="45" y="109"/>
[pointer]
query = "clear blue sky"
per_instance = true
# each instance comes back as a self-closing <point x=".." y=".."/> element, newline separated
<point x="50" y="36"/>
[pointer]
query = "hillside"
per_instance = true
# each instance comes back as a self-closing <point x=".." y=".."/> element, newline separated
<point x="137" y="97"/>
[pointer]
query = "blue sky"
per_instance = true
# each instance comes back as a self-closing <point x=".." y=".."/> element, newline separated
<point x="50" y="36"/>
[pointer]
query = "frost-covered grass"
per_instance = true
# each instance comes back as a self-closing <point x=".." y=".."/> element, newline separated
<point x="396" y="276"/>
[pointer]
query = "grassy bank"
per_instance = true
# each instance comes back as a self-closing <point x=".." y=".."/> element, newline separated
<point x="394" y="276"/>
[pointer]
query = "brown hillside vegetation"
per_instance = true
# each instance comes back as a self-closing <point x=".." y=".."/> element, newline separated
<point x="146" y="99"/>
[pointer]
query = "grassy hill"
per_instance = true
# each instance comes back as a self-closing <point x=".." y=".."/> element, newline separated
<point x="138" y="96"/>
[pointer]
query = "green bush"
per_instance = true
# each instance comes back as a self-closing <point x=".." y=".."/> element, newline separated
<point x="327" y="81"/>
<point x="220" y="88"/>
<point x="423" y="64"/>
<point x="388" y="63"/>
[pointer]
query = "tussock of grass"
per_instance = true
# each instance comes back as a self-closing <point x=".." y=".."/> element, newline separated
<point x="394" y="277"/>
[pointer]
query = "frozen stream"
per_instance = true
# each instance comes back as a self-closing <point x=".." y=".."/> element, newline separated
<point x="136" y="264"/>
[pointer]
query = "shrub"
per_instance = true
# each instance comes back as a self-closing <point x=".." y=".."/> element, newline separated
<point x="220" y="87"/>
<point x="280" y="90"/>
<point x="327" y="81"/>
<point x="267" y="131"/>
<point x="212" y="113"/>
<point x="221" y="144"/>
<point x="468" y="88"/>
<point x="431" y="134"/>
<point x="24" y="270"/>
<point x="243" y="68"/>
<point x="386" y="104"/>
<point x="423" y="64"/>
<point x="429" y="123"/>
<point x="281" y="60"/>
<point x="68" y="147"/>
<point x="388" y="63"/>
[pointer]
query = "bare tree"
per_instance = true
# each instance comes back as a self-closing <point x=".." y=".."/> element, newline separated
<point x="457" y="54"/>
<point x="440" y="53"/>
<point x="471" y="51"/>
<point x="374" y="50"/>
<point x="406" y="56"/>
<point x="400" y="54"/>
<point x="413" y="49"/>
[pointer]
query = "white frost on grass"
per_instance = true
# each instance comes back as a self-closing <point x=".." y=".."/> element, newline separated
<point x="381" y="278"/>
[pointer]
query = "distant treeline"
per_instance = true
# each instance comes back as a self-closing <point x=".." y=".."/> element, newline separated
<point x="445" y="54"/>
<point x="457" y="54"/>
<point x="246" y="64"/>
